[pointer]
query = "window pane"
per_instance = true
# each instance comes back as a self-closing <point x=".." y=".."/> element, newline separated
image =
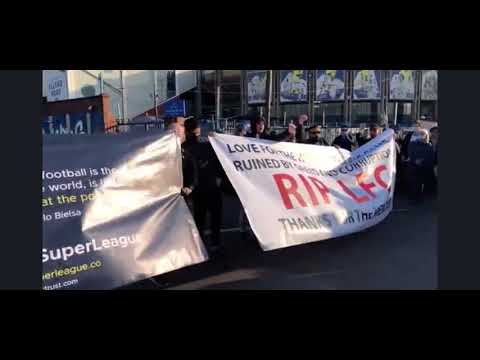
<point x="230" y="93"/>
<point x="288" y="112"/>
<point x="404" y="113"/>
<point x="208" y="92"/>
<point x="329" y="114"/>
<point x="364" y="112"/>
<point x="429" y="110"/>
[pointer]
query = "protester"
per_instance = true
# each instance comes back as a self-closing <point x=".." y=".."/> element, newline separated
<point x="434" y="139"/>
<point x="259" y="131"/>
<point x="242" y="129"/>
<point x="344" y="140"/>
<point x="375" y="130"/>
<point x="315" y="137"/>
<point x="363" y="137"/>
<point x="299" y="123"/>
<point x="407" y="139"/>
<point x="420" y="161"/>
<point x="189" y="166"/>
<point x="207" y="195"/>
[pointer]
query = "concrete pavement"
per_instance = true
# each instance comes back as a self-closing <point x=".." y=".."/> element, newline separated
<point x="399" y="253"/>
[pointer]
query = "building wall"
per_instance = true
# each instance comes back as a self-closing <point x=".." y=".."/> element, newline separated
<point x="139" y="87"/>
<point x="55" y="85"/>
<point x="85" y="115"/>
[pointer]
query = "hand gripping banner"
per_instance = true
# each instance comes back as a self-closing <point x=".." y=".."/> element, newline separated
<point x="297" y="193"/>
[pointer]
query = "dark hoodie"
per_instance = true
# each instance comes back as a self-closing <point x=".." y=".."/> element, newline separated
<point x="209" y="167"/>
<point x="418" y="150"/>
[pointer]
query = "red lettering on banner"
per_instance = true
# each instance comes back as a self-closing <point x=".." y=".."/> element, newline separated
<point x="321" y="188"/>
<point x="307" y="185"/>
<point x="377" y="173"/>
<point x="350" y="193"/>
<point x="287" y="192"/>
<point x="365" y="186"/>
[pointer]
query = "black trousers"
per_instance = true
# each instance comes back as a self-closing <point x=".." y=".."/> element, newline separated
<point x="421" y="181"/>
<point x="209" y="201"/>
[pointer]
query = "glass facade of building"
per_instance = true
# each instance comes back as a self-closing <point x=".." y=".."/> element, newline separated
<point x="329" y="97"/>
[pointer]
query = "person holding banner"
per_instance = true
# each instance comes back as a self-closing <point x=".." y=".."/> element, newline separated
<point x="315" y="137"/>
<point x="207" y="197"/>
<point x="363" y="137"/>
<point x="344" y="140"/>
<point x="189" y="166"/>
<point x="299" y="123"/>
<point x="375" y="130"/>
<point x="259" y="131"/>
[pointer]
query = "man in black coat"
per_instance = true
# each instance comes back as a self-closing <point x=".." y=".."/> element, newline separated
<point x="407" y="140"/>
<point x="421" y="160"/>
<point x="363" y="137"/>
<point x="299" y="123"/>
<point x="189" y="165"/>
<point x="344" y="140"/>
<point x="315" y="137"/>
<point x="207" y="195"/>
<point x="259" y="131"/>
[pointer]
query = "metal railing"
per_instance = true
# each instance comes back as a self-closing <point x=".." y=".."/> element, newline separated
<point x="127" y="127"/>
<point x="227" y="126"/>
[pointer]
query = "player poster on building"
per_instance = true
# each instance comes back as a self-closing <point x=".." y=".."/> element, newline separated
<point x="330" y="85"/>
<point x="257" y="86"/>
<point x="402" y="85"/>
<point x="293" y="86"/>
<point x="430" y="85"/>
<point x="366" y="85"/>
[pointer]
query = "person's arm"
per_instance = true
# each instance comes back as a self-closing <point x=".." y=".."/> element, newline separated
<point x="397" y="146"/>
<point x="286" y="135"/>
<point x="300" y="134"/>
<point x="191" y="174"/>
<point x="411" y="153"/>
<point x="430" y="157"/>
<point x="283" y="136"/>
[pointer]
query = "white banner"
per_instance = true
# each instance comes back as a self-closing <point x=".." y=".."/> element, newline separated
<point x="297" y="193"/>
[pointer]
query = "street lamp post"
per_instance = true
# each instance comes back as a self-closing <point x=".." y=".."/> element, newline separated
<point x="124" y="97"/>
<point x="155" y="95"/>
<point x="269" y="96"/>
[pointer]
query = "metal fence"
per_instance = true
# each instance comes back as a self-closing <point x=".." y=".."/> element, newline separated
<point x="138" y="126"/>
<point x="227" y="126"/>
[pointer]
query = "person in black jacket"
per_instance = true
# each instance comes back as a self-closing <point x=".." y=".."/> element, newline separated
<point x="375" y="130"/>
<point x="420" y="162"/>
<point x="315" y="137"/>
<point x="434" y="140"/>
<point x="207" y="195"/>
<point x="189" y="165"/>
<point x="344" y="140"/>
<point x="299" y="123"/>
<point x="407" y="140"/>
<point x="259" y="131"/>
<point x="363" y="137"/>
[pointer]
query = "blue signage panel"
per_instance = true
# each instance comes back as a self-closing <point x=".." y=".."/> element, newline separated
<point x="75" y="123"/>
<point x="175" y="108"/>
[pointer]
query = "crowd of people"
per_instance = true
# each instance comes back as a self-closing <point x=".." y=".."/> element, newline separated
<point x="204" y="180"/>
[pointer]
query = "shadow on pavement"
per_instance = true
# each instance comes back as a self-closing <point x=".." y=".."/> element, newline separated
<point x="398" y="253"/>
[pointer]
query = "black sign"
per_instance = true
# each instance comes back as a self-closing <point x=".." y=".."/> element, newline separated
<point x="112" y="210"/>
